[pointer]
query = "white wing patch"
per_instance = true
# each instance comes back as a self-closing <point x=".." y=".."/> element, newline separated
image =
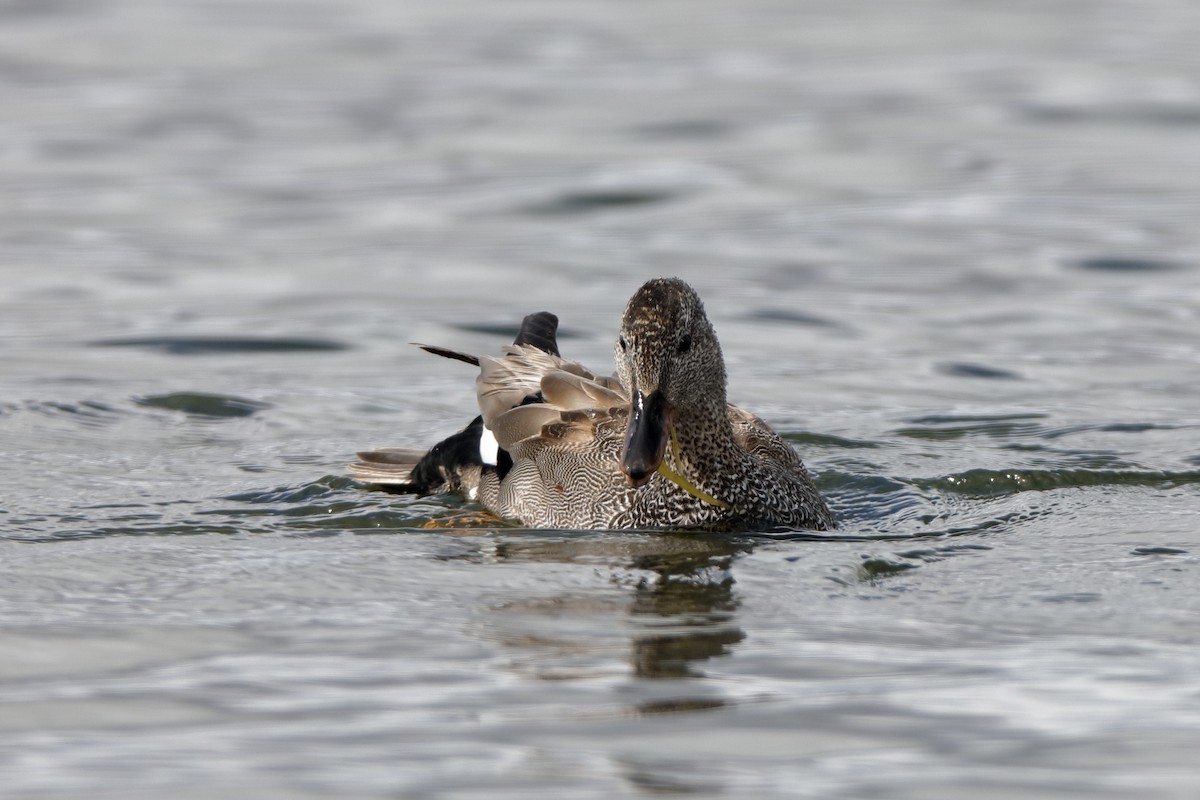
<point x="489" y="448"/>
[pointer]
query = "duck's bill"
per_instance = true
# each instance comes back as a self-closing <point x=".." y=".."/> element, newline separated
<point x="646" y="437"/>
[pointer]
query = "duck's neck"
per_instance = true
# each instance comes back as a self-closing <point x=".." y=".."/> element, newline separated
<point x="707" y="448"/>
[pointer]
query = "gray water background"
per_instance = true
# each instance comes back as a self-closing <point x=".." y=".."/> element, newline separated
<point x="951" y="252"/>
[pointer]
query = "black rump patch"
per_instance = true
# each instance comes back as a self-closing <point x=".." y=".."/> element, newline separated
<point x="438" y="469"/>
<point x="447" y="458"/>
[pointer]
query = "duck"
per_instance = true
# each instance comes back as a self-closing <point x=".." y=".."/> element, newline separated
<point x="654" y="446"/>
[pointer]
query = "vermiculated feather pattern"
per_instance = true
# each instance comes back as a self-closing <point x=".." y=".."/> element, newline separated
<point x="563" y="433"/>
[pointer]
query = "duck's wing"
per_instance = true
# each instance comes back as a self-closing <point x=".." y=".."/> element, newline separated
<point x="757" y="438"/>
<point x="513" y="380"/>
<point x="521" y="376"/>
<point x="570" y="408"/>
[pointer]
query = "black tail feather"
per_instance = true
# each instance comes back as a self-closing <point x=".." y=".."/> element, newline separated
<point x="541" y="331"/>
<point x="444" y="353"/>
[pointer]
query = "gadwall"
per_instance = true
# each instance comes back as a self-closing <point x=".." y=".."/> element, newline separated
<point x="658" y="446"/>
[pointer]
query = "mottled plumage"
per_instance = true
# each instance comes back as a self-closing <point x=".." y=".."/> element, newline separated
<point x="657" y="446"/>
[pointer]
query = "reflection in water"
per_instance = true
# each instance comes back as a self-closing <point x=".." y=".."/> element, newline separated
<point x="687" y="610"/>
<point x="683" y="607"/>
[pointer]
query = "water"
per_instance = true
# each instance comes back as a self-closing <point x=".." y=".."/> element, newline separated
<point x="949" y="249"/>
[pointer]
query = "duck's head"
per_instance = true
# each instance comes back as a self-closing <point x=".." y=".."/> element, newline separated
<point x="669" y="361"/>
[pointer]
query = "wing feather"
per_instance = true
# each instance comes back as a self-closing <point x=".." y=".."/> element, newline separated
<point x="570" y="392"/>
<point x="523" y="422"/>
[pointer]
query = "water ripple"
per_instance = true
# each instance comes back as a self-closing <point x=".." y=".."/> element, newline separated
<point x="995" y="483"/>
<point x="203" y="404"/>
<point x="205" y="345"/>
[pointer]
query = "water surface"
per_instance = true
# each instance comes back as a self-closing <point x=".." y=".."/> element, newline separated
<point x="951" y="255"/>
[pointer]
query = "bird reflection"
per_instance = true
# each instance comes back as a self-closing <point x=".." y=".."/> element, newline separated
<point x="682" y="607"/>
<point x="687" y="609"/>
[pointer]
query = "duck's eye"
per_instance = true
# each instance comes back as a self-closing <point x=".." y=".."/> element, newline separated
<point x="621" y="343"/>
<point x="685" y="343"/>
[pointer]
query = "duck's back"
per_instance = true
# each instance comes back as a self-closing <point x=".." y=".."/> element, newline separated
<point x="779" y="492"/>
